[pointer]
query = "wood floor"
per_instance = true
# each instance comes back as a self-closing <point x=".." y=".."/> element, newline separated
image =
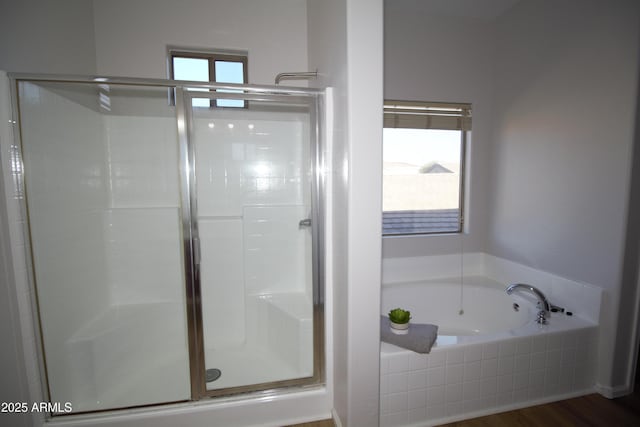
<point x="592" y="410"/>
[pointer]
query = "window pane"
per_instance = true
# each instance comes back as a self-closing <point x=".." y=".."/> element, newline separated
<point x="421" y="180"/>
<point x="229" y="72"/>
<point x="193" y="69"/>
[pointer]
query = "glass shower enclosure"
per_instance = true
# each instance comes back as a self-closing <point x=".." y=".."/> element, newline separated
<point x="175" y="246"/>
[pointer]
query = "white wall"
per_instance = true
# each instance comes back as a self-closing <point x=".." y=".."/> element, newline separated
<point x="564" y="124"/>
<point x="345" y="40"/>
<point x="132" y="36"/>
<point x="14" y="387"/>
<point x="365" y="100"/>
<point x="433" y="56"/>
<point x="327" y="53"/>
<point x="41" y="36"/>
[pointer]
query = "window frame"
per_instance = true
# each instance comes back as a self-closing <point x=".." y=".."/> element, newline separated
<point x="212" y="57"/>
<point x="448" y="116"/>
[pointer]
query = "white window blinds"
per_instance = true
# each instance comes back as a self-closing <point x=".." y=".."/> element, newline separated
<point x="427" y="115"/>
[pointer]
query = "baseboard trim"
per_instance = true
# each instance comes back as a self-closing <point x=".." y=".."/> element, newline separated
<point x="613" y="392"/>
<point x="336" y="418"/>
<point x="504" y="408"/>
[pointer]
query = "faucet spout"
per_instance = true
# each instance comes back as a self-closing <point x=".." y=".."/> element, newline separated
<point x="543" y="303"/>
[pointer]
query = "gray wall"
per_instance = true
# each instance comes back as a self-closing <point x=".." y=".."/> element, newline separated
<point x="434" y="56"/>
<point x="132" y="35"/>
<point x="626" y="347"/>
<point x="563" y="135"/>
<point x="553" y="85"/>
<point x="129" y="38"/>
<point x="41" y="36"/>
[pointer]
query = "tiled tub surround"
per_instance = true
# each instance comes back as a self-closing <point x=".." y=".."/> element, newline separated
<point x="471" y="375"/>
<point x="456" y="382"/>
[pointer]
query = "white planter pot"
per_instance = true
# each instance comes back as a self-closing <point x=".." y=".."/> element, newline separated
<point x="400" y="328"/>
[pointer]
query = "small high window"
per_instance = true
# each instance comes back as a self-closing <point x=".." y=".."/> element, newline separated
<point x="215" y="67"/>
<point x="423" y="166"/>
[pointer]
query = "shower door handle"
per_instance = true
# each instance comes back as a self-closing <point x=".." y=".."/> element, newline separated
<point x="196" y="251"/>
<point x="304" y="223"/>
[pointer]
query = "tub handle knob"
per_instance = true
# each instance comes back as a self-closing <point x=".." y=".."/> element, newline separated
<point x="542" y="317"/>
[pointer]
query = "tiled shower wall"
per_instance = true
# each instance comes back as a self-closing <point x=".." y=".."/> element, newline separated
<point x="251" y="191"/>
<point x="106" y="238"/>
<point x="463" y="381"/>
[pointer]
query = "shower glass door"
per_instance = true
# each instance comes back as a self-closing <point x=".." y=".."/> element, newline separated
<point x="253" y="224"/>
<point x="174" y="249"/>
<point x="102" y="185"/>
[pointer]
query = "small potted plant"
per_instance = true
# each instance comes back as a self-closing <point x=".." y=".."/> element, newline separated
<point x="399" y="320"/>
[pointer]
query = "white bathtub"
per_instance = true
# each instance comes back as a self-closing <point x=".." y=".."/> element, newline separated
<point x="477" y="306"/>
<point x="487" y="358"/>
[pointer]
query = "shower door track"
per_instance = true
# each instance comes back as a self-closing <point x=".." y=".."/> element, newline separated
<point x="314" y="100"/>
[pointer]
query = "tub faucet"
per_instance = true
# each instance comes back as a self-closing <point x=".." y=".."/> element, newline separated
<point x="543" y="304"/>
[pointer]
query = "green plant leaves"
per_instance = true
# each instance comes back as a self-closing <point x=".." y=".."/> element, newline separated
<point x="398" y="315"/>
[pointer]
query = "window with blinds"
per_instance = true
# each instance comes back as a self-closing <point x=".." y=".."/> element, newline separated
<point x="424" y="146"/>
